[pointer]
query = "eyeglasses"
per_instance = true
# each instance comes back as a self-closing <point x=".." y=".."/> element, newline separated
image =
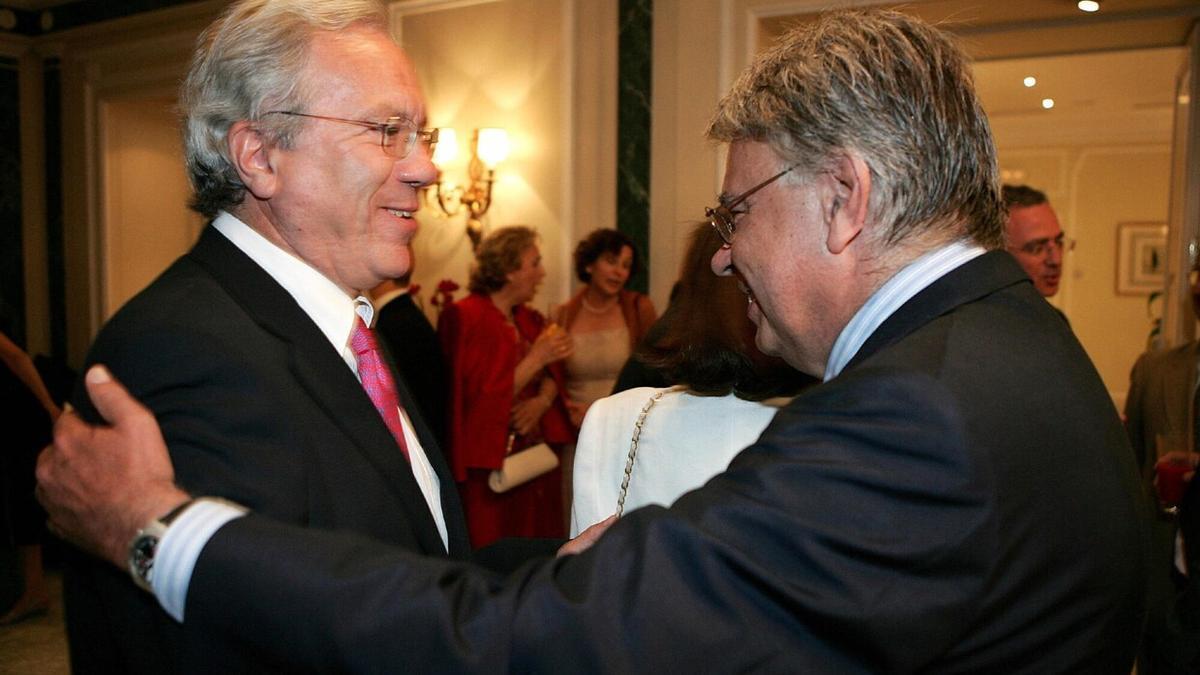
<point x="721" y="218"/>
<point x="1040" y="247"/>
<point x="397" y="136"/>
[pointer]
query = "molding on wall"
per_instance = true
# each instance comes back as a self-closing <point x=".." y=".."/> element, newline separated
<point x="143" y="55"/>
<point x="15" y="46"/>
<point x="1184" y="216"/>
<point x="398" y="9"/>
<point x="33" y="206"/>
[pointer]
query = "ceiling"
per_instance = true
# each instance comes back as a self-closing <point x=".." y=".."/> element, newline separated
<point x="1111" y="74"/>
<point x="35" y="5"/>
<point x="1000" y="29"/>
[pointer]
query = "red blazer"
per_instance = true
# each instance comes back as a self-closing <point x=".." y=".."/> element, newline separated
<point x="481" y="355"/>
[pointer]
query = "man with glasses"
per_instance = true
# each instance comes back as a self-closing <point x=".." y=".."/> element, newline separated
<point x="1032" y="234"/>
<point x="306" y="149"/>
<point x="922" y="510"/>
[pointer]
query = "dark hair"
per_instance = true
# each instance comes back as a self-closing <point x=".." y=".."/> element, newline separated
<point x="708" y="343"/>
<point x="1022" y="195"/>
<point x="596" y="244"/>
<point x="498" y="255"/>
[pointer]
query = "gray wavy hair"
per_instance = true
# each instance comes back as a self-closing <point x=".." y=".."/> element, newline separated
<point x="892" y="89"/>
<point x="249" y="62"/>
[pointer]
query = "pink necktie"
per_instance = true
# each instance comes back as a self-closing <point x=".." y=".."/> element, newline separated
<point x="377" y="380"/>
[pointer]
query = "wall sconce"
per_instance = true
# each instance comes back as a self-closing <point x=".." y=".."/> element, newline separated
<point x="489" y="147"/>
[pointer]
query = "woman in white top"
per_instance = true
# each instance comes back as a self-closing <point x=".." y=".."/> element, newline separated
<point x="728" y="392"/>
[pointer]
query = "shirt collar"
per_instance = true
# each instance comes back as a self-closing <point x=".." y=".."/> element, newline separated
<point x="326" y="304"/>
<point x="385" y="298"/>
<point x="912" y="279"/>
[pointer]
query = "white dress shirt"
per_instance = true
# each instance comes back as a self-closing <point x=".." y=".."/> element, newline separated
<point x="334" y="313"/>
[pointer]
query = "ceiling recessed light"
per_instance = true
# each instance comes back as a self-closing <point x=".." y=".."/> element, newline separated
<point x="1088" y="5"/>
<point x="1030" y="81"/>
<point x="1047" y="103"/>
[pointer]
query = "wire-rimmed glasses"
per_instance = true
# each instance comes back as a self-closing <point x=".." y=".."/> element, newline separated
<point x="397" y="136"/>
<point x="1040" y="247"/>
<point x="721" y="217"/>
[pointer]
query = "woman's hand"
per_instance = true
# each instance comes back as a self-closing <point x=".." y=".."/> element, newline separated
<point x="553" y="344"/>
<point x="528" y="413"/>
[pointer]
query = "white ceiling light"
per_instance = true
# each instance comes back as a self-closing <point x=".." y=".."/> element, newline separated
<point x="1047" y="103"/>
<point x="1088" y="5"/>
<point x="1030" y="81"/>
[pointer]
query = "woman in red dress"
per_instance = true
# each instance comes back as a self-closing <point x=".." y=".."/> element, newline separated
<point x="505" y="378"/>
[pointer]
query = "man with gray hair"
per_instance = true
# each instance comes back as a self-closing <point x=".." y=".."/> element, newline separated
<point x="305" y="147"/>
<point x="922" y="510"/>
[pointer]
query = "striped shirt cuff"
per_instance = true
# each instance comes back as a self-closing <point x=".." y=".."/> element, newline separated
<point x="180" y="548"/>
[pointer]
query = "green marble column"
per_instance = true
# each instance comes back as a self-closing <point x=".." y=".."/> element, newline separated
<point x="635" y="47"/>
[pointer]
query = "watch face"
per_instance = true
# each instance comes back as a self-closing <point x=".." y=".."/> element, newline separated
<point x="141" y="555"/>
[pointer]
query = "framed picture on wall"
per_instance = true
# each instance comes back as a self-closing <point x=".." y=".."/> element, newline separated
<point x="1141" y="258"/>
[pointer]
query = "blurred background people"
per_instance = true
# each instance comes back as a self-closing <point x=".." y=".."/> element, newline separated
<point x="606" y="321"/>
<point x="26" y="413"/>
<point x="727" y="393"/>
<point x="505" y="377"/>
<point x="1161" y="418"/>
<point x="1178" y="648"/>
<point x="1032" y="234"/>
<point x="413" y="345"/>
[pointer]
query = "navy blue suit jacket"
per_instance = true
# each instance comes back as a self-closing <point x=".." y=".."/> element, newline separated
<point x="962" y="498"/>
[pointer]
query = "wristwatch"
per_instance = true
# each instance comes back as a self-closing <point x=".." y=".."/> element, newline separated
<point x="145" y="545"/>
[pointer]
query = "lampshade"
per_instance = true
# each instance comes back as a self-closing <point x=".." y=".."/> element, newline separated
<point x="491" y="146"/>
<point x="447" y="146"/>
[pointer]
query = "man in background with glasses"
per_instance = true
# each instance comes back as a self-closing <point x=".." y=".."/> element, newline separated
<point x="922" y="510"/>
<point x="1032" y="234"/>
<point x="306" y="149"/>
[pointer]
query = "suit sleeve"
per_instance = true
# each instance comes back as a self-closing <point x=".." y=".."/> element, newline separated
<point x="838" y="542"/>
<point x="222" y="429"/>
<point x="1135" y="423"/>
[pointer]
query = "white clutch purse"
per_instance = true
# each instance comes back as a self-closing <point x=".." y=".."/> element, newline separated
<point x="522" y="466"/>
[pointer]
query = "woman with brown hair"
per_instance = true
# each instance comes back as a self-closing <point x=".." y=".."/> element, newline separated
<point x="605" y="319"/>
<point x="726" y="393"/>
<point x="505" y="389"/>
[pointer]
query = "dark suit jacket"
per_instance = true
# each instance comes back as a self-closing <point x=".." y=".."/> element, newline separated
<point x="1177" y="647"/>
<point x="962" y="498"/>
<point x="1160" y="403"/>
<point x="257" y="407"/>
<point x="418" y="356"/>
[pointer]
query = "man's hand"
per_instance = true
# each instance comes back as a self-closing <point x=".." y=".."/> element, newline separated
<point x="586" y="538"/>
<point x="100" y="484"/>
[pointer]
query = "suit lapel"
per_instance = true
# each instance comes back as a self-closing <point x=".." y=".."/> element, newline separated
<point x="319" y="370"/>
<point x="974" y="279"/>
<point x="456" y="523"/>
